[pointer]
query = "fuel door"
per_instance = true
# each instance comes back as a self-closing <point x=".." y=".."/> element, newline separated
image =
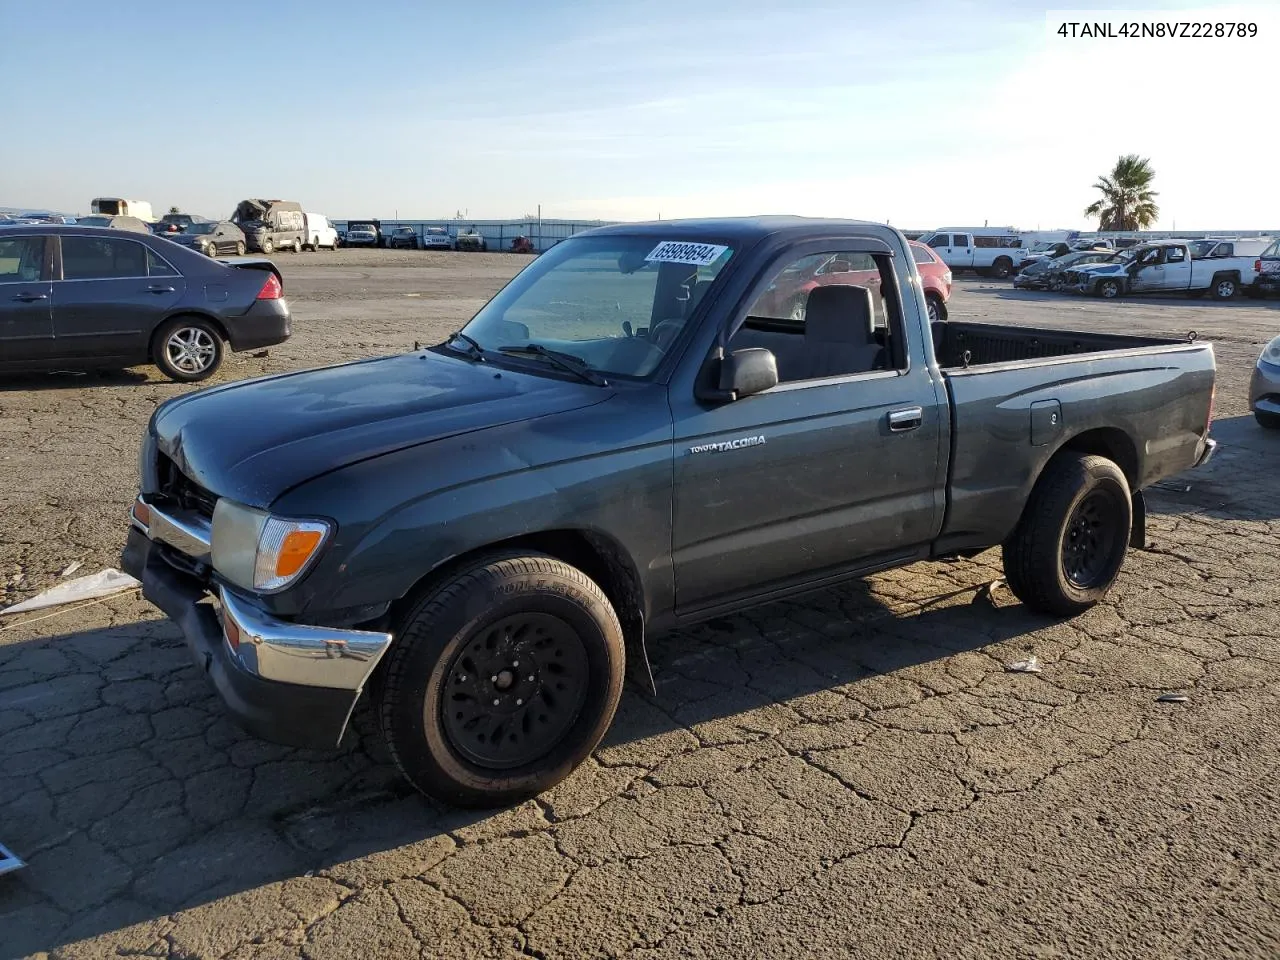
<point x="1046" y="422"/>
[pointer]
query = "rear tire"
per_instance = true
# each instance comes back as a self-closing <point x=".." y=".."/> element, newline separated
<point x="1002" y="268"/>
<point x="1224" y="288"/>
<point x="502" y="680"/>
<point x="187" y="349"/>
<point x="297" y="245"/>
<point x="1071" y="541"/>
<point x="1268" y="421"/>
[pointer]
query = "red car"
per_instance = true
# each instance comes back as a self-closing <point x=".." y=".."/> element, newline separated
<point x="935" y="276"/>
<point x="788" y="294"/>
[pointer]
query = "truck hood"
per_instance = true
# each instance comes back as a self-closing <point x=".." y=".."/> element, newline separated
<point x="254" y="440"/>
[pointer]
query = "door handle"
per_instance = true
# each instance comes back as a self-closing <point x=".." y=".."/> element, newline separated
<point x="159" y="289"/>
<point x="31" y="297"/>
<point x="900" y="421"/>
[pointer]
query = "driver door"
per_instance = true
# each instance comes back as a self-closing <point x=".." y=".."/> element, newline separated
<point x="1148" y="272"/>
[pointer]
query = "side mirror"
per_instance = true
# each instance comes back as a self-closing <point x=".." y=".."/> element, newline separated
<point x="748" y="371"/>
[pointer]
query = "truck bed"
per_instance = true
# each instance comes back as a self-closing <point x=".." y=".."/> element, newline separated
<point x="1143" y="402"/>
<point x="971" y="344"/>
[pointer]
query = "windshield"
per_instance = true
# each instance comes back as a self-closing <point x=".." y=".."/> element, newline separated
<point x="1044" y="246"/>
<point x="1273" y="250"/>
<point x="198" y="228"/>
<point x="617" y="303"/>
<point x="95" y="221"/>
<point x="361" y="228"/>
<point x="435" y="231"/>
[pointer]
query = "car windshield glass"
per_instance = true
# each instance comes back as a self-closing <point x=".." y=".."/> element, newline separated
<point x="201" y="228"/>
<point x="1273" y="250"/>
<point x="363" y="227"/>
<point x="435" y="231"/>
<point x="617" y="303"/>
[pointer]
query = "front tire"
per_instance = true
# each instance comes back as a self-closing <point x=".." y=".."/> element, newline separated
<point x="1268" y="421"/>
<point x="187" y="349"/>
<point x="937" y="309"/>
<point x="1108" y="289"/>
<point x="268" y="245"/>
<point x="502" y="680"/>
<point x="239" y="248"/>
<point x="1070" y="543"/>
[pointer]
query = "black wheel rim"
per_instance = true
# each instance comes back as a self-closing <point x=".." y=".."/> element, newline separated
<point x="514" y="690"/>
<point x="1090" y="540"/>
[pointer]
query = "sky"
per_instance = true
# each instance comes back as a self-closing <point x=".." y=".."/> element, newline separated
<point x="922" y="114"/>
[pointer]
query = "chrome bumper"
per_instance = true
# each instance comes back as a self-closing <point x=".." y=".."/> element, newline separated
<point x="262" y="645"/>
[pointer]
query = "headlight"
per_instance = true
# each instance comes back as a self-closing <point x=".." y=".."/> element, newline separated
<point x="1271" y="353"/>
<point x="255" y="550"/>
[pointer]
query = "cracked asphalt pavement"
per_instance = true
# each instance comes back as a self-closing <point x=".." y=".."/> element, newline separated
<point x="852" y="773"/>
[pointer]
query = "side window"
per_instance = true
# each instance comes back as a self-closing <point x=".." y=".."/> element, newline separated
<point x="921" y="255"/>
<point x="1175" y="255"/>
<point x="157" y="267"/>
<point x="21" y="259"/>
<point x="1226" y="250"/>
<point x="826" y="315"/>
<point x="986" y="242"/>
<point x="102" y="258"/>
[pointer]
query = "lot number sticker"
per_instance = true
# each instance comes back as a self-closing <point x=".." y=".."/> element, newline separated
<point x="679" y="251"/>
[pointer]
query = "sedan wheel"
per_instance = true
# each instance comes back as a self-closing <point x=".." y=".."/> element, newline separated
<point x="1109" y="289"/>
<point x="188" y="349"/>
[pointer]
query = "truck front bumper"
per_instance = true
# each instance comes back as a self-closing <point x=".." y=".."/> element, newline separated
<point x="282" y="681"/>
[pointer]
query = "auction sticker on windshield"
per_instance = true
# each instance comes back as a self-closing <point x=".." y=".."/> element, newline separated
<point x="680" y="251"/>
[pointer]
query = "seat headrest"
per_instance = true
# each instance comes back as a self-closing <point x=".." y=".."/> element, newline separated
<point x="838" y="313"/>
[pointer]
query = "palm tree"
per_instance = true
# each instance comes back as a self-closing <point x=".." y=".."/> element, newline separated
<point x="1128" y="202"/>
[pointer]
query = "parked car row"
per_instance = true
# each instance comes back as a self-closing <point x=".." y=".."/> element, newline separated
<point x="1219" y="267"/>
<point x="370" y="233"/>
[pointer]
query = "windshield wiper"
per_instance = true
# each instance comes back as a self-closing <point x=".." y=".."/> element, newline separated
<point x="473" y="350"/>
<point x="565" y="361"/>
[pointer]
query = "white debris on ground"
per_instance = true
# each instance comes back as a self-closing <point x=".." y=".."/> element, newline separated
<point x="1029" y="665"/>
<point x="100" y="584"/>
<point x="9" y="861"/>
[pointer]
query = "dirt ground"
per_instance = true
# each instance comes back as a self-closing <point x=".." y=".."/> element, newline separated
<point x="852" y="773"/>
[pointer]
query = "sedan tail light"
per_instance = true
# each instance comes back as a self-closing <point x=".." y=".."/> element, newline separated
<point x="271" y="290"/>
<point x="1257" y="265"/>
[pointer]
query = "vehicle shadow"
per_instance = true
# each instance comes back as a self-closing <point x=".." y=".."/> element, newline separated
<point x="1239" y="483"/>
<point x="73" y="379"/>
<point x="132" y="797"/>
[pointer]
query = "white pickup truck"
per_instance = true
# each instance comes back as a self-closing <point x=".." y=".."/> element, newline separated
<point x="1165" y="266"/>
<point x="989" y="252"/>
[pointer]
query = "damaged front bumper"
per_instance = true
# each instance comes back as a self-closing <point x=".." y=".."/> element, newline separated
<point x="282" y="681"/>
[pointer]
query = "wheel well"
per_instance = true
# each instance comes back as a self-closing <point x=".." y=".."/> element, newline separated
<point x="1112" y="443"/>
<point x="217" y="324"/>
<point x="596" y="555"/>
